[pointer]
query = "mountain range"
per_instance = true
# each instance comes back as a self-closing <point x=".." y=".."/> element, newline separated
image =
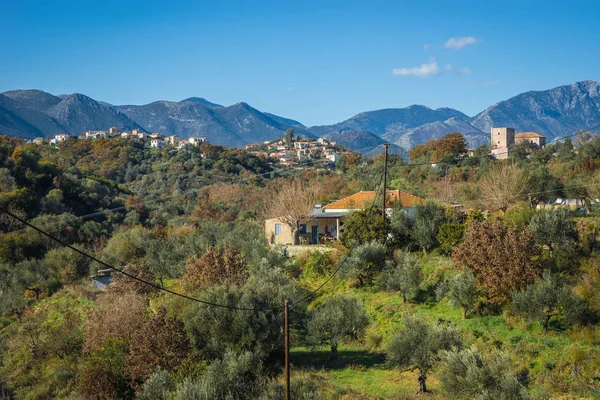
<point x="553" y="113"/>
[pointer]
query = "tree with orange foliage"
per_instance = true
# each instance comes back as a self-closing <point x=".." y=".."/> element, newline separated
<point x="216" y="266"/>
<point x="503" y="259"/>
<point x="161" y="341"/>
<point x="453" y="144"/>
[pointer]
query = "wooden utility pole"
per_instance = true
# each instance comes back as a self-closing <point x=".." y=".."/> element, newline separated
<point x="386" y="146"/>
<point x="287" y="350"/>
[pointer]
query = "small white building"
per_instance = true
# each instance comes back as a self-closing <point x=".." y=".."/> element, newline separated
<point x="156" y="135"/>
<point x="196" y="141"/>
<point x="113" y="131"/>
<point x="301" y="145"/>
<point x="139" y="134"/>
<point x="303" y="154"/>
<point x="183" y="143"/>
<point x="157" y="143"/>
<point x="322" y="141"/>
<point x="125" y="135"/>
<point x="95" y="135"/>
<point x="59" y="138"/>
<point x="333" y="157"/>
<point x="173" y="140"/>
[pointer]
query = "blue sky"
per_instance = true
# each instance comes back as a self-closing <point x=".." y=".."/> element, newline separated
<point x="319" y="62"/>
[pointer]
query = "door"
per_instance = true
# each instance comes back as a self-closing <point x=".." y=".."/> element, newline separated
<point x="314" y="230"/>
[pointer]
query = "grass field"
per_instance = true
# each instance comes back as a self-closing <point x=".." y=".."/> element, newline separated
<point x="562" y="363"/>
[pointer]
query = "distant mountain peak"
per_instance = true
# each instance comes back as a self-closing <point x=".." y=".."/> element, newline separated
<point x="33" y="98"/>
<point x="419" y="106"/>
<point x="200" y="100"/>
<point x="552" y="113"/>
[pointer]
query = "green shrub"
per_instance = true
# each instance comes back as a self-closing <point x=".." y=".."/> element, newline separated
<point x="547" y="298"/>
<point x="317" y="264"/>
<point x="302" y="388"/>
<point x="450" y="236"/>
<point x="234" y="376"/>
<point x="465" y="374"/>
<point x="365" y="262"/>
<point x="404" y="274"/>
<point x="157" y="386"/>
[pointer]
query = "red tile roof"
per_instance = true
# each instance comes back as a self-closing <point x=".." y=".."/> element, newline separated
<point x="365" y="198"/>
<point x="529" y="135"/>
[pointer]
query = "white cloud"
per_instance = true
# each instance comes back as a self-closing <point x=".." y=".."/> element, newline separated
<point x="460" y="42"/>
<point x="426" y="46"/>
<point x="492" y="82"/>
<point x="461" y="71"/>
<point x="289" y="89"/>
<point x="423" y="71"/>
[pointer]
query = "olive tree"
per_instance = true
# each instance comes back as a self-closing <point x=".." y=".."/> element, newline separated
<point x="338" y="318"/>
<point x="553" y="228"/>
<point x="234" y="376"/>
<point x="466" y="374"/>
<point x="428" y="218"/>
<point x="214" y="330"/>
<point x="547" y="298"/>
<point x="404" y="274"/>
<point x="418" y="346"/>
<point x="400" y="229"/>
<point x="461" y="290"/>
<point x="365" y="262"/>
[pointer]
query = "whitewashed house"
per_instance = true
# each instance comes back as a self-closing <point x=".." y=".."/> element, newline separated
<point x="157" y="143"/>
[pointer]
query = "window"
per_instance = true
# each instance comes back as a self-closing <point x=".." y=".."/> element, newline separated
<point x="277" y="229"/>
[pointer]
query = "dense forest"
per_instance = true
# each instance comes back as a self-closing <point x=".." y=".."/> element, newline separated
<point x="486" y="290"/>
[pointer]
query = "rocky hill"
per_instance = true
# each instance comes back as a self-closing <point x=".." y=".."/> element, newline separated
<point x="79" y="113"/>
<point x="19" y="119"/>
<point x="236" y="125"/>
<point x="553" y="113"/>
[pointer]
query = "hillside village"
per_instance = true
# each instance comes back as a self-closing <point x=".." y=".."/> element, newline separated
<point x="299" y="200"/>
<point x="243" y="228"/>
<point x="290" y="152"/>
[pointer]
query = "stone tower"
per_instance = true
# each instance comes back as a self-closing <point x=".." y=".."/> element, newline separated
<point x="502" y="138"/>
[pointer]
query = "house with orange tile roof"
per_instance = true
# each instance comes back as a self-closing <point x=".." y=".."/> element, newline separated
<point x="326" y="223"/>
<point x="361" y="200"/>
<point x="530" y="137"/>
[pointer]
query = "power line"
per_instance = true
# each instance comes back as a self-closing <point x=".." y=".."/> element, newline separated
<point x="145" y="201"/>
<point x="560" y="138"/>
<point x="311" y="294"/>
<point x="538" y="192"/>
<point x="339" y="267"/>
<point x="208" y="303"/>
<point x="199" y="300"/>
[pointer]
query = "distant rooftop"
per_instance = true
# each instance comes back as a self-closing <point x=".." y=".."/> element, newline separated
<point x="364" y="199"/>
<point x="529" y="135"/>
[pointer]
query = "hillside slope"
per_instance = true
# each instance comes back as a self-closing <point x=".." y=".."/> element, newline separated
<point x="553" y="113"/>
